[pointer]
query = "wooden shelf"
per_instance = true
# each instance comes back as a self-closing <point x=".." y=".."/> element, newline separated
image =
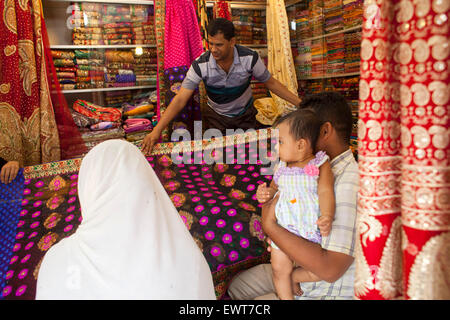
<point x="334" y="75"/>
<point x="108" y="89"/>
<point x="142" y="2"/>
<point x="256" y="5"/>
<point x="101" y="46"/>
<point x="332" y="34"/>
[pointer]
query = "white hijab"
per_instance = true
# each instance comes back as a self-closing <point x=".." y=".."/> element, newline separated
<point x="131" y="244"/>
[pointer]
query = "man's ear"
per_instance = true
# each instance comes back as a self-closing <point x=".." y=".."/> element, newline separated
<point x="233" y="41"/>
<point x="325" y="130"/>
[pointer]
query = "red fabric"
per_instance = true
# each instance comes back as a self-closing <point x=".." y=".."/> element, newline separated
<point x="28" y="127"/>
<point x="71" y="142"/>
<point x="403" y="210"/>
<point x="222" y="9"/>
<point x="182" y="39"/>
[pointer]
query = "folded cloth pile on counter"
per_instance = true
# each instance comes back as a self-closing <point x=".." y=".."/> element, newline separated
<point x="97" y="123"/>
<point x="119" y="68"/>
<point x="139" y="116"/>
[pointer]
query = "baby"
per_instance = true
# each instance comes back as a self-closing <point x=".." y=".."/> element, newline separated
<point x="306" y="203"/>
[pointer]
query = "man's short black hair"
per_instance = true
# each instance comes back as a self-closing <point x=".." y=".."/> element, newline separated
<point x="332" y="107"/>
<point x="221" y="25"/>
<point x="303" y="124"/>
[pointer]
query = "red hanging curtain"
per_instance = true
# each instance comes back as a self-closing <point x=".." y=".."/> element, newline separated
<point x="403" y="131"/>
<point x="36" y="126"/>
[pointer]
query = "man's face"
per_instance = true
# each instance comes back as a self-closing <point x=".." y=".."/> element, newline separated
<point x="220" y="47"/>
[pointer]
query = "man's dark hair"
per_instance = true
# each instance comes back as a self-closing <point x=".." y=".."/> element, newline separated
<point x="331" y="107"/>
<point x="303" y="124"/>
<point x="221" y="25"/>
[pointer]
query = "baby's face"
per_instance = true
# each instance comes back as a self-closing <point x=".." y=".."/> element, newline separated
<point x="287" y="146"/>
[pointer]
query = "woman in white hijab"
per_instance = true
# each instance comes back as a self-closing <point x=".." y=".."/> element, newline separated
<point x="131" y="244"/>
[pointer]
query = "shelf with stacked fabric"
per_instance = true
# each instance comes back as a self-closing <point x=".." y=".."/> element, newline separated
<point x="104" y="53"/>
<point x="328" y="36"/>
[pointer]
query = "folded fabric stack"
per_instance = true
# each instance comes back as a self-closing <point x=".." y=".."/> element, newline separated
<point x="115" y="99"/>
<point x="316" y="17"/>
<point x="259" y="27"/>
<point x="352" y="51"/>
<point x="86" y="20"/>
<point x="139" y="115"/>
<point x="145" y="67"/>
<point x="352" y="13"/>
<point x="250" y="26"/>
<point x="303" y="29"/>
<point x="243" y="25"/>
<point x="259" y="90"/>
<point x="90" y="69"/>
<point x="116" y="33"/>
<point x="318" y="50"/>
<point x="143" y="28"/>
<point x="333" y="16"/>
<point x="335" y="54"/>
<point x="65" y="68"/>
<point x="119" y="68"/>
<point x="97" y="123"/>
<point x="307" y="87"/>
<point x="303" y="60"/>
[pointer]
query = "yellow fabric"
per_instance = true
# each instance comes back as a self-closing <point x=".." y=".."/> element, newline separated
<point x="281" y="63"/>
<point x="267" y="110"/>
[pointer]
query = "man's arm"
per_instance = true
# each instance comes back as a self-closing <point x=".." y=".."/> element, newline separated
<point x="327" y="265"/>
<point x="176" y="105"/>
<point x="280" y="90"/>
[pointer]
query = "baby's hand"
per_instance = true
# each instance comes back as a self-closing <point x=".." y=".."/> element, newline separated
<point x="264" y="193"/>
<point x="324" y="223"/>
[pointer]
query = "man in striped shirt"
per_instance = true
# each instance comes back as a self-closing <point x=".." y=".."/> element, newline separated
<point x="333" y="260"/>
<point x="226" y="70"/>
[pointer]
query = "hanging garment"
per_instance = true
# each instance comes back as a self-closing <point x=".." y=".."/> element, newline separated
<point x="183" y="44"/>
<point x="281" y="63"/>
<point x="403" y="242"/>
<point x="133" y="249"/>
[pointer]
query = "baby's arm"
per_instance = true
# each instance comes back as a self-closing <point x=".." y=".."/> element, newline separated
<point x="264" y="193"/>
<point x="327" y="205"/>
<point x="301" y="275"/>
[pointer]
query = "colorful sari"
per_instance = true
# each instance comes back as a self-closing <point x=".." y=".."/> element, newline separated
<point x="281" y="62"/>
<point x="36" y="125"/>
<point x="182" y="45"/>
<point x="403" y="249"/>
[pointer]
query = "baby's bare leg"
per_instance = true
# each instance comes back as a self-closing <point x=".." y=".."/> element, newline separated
<point x="282" y="269"/>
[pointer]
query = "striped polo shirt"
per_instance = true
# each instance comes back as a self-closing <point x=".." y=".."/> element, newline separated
<point x="229" y="94"/>
<point x="342" y="237"/>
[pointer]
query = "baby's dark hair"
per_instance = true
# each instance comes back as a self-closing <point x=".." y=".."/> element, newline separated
<point x="303" y="124"/>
